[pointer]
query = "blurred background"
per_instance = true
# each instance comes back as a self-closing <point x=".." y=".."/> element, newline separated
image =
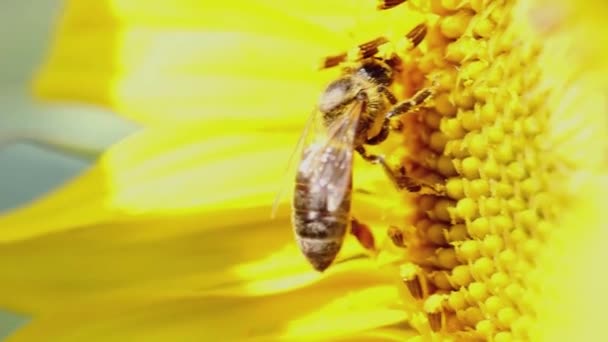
<point x="41" y="145"/>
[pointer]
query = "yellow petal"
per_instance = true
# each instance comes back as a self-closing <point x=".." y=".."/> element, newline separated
<point x="175" y="253"/>
<point x="204" y="252"/>
<point x="397" y="332"/>
<point x="184" y="60"/>
<point x="159" y="172"/>
<point x="340" y="304"/>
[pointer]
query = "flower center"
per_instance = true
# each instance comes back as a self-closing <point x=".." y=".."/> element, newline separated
<point x="472" y="251"/>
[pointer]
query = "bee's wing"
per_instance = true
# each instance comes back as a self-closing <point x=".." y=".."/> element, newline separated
<point x="329" y="161"/>
<point x="312" y="128"/>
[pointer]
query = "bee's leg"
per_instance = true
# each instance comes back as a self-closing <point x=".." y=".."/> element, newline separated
<point x="388" y="94"/>
<point x="387" y="126"/>
<point x="399" y="177"/>
<point x="397" y="126"/>
<point x="382" y="135"/>
<point x="363" y="234"/>
<point x="409" y="104"/>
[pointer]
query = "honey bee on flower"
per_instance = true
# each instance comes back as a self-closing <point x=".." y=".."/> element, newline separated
<point x="355" y="110"/>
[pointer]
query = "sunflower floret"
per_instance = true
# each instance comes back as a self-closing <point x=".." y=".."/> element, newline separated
<point x="486" y="149"/>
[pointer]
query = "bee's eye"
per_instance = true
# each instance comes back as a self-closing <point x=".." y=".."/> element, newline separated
<point x="377" y="73"/>
<point x="336" y="94"/>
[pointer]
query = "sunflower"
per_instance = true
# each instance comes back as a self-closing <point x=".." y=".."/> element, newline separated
<point x="168" y="235"/>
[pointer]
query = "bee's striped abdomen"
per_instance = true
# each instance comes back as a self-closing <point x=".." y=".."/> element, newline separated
<point x="319" y="232"/>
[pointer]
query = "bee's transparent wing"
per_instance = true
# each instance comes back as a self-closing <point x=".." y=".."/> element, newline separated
<point x="329" y="161"/>
<point x="312" y="128"/>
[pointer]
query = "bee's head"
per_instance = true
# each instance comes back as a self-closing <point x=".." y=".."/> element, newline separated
<point x="347" y="88"/>
<point x="377" y="71"/>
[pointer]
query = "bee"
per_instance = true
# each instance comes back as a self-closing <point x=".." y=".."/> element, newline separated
<point x="353" y="111"/>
